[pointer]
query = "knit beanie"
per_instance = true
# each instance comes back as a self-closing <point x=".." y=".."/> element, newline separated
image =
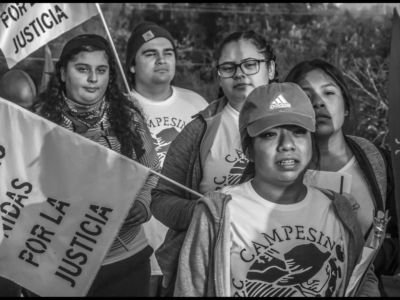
<point x="142" y="33"/>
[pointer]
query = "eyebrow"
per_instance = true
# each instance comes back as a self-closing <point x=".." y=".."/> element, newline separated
<point x="84" y="64"/>
<point x="155" y="50"/>
<point x="330" y="84"/>
<point x="243" y="60"/>
<point x="309" y="87"/>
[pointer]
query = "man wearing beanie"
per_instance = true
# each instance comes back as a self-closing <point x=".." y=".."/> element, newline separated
<point x="150" y="63"/>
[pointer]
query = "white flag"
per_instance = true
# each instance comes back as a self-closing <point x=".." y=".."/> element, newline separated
<point x="25" y="27"/>
<point x="63" y="199"/>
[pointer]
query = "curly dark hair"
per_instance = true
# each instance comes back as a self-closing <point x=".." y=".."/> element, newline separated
<point x="50" y="102"/>
<point x="258" y="40"/>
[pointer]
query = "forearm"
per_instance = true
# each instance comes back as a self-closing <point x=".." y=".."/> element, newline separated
<point x="172" y="205"/>
<point x="144" y="195"/>
<point x="173" y="211"/>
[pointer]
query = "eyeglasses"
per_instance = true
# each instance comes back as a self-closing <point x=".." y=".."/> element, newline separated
<point x="248" y="67"/>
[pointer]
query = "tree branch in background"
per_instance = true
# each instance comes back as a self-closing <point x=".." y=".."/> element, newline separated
<point x="357" y="81"/>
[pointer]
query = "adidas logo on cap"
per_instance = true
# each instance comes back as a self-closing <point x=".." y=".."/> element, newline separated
<point x="279" y="102"/>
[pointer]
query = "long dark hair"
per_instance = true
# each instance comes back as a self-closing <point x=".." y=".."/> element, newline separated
<point x="257" y="40"/>
<point x="49" y="103"/>
<point x="299" y="71"/>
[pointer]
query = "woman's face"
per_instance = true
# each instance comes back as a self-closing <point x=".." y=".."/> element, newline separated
<point x="328" y="102"/>
<point x="238" y="87"/>
<point x="281" y="154"/>
<point x="86" y="76"/>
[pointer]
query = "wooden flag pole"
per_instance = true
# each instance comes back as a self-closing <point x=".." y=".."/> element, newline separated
<point x="114" y="49"/>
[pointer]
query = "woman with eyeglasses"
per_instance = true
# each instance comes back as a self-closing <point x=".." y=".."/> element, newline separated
<point x="207" y="155"/>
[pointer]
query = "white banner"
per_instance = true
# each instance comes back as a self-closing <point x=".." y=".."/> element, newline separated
<point x="63" y="199"/>
<point x="25" y="27"/>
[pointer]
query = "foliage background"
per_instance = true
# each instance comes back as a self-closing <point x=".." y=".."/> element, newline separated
<point x="358" y="43"/>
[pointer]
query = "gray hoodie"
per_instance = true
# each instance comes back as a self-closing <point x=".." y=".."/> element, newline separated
<point x="204" y="262"/>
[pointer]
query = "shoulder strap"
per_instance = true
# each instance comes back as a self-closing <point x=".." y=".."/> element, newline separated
<point x="329" y="193"/>
<point x="377" y="163"/>
<point x="332" y="194"/>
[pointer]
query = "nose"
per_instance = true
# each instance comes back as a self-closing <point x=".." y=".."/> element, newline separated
<point x="286" y="142"/>
<point x="160" y="59"/>
<point x="92" y="76"/>
<point x="238" y="72"/>
<point x="317" y="101"/>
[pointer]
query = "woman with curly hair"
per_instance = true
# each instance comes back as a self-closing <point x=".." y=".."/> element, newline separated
<point x="83" y="96"/>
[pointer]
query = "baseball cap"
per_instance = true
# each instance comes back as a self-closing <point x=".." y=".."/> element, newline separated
<point x="142" y="33"/>
<point x="276" y="104"/>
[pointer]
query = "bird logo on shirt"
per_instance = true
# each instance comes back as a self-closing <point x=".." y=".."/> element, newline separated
<point x="163" y="139"/>
<point x="303" y="271"/>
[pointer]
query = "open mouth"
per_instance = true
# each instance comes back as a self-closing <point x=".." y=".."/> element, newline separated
<point x="287" y="162"/>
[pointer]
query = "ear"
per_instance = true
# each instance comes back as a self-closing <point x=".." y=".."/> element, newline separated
<point x="132" y="69"/>
<point x="271" y="70"/>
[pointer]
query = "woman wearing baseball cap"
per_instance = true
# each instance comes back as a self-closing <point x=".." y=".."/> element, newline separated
<point x="83" y="96"/>
<point x="273" y="235"/>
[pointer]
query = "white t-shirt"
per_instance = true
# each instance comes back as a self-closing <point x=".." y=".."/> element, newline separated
<point x="165" y="120"/>
<point x="354" y="183"/>
<point x="285" y="250"/>
<point x="225" y="162"/>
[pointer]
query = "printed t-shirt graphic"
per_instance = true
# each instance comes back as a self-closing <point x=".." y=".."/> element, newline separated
<point x="167" y="118"/>
<point x="225" y="163"/>
<point x="285" y="250"/>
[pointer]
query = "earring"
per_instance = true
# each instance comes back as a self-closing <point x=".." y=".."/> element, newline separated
<point x="271" y="69"/>
<point x="346" y="113"/>
<point x="270" y="75"/>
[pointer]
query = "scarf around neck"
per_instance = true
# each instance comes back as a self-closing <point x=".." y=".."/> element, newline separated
<point x="84" y="116"/>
